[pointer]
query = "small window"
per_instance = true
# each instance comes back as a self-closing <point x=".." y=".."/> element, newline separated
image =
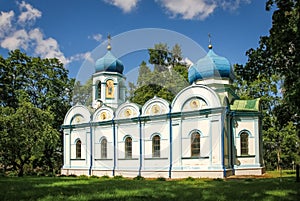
<point x="244" y="143"/>
<point x="78" y="149"/>
<point x="128" y="147"/>
<point x="99" y="90"/>
<point x="104" y="149"/>
<point x="195" y="144"/>
<point x="156" y="146"/>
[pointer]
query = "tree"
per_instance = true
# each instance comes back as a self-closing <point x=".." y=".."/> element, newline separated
<point x="27" y="130"/>
<point x="83" y="93"/>
<point x="284" y="45"/>
<point x="169" y="76"/>
<point x="48" y="87"/>
<point x="272" y="73"/>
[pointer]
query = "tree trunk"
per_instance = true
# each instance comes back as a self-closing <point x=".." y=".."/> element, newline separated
<point x="21" y="171"/>
<point x="278" y="159"/>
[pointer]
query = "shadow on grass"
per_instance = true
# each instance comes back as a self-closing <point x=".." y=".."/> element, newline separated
<point x="92" y="189"/>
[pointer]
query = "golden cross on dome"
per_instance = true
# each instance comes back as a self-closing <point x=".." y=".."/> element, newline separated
<point x="209" y="41"/>
<point x="108" y="42"/>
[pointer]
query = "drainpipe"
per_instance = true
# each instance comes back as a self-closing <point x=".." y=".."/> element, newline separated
<point x="170" y="127"/>
<point x="232" y="138"/>
<point x="222" y="143"/>
<point x="114" y="139"/>
<point x="91" y="147"/>
<point x="141" y="146"/>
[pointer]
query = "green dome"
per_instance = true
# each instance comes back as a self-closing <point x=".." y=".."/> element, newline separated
<point x="212" y="65"/>
<point x="109" y="63"/>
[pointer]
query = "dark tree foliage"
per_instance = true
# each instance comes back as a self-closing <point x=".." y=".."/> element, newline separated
<point x="272" y="74"/>
<point x="48" y="88"/>
<point x="169" y="76"/>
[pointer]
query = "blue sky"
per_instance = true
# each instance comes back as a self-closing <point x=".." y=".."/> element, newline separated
<point x="72" y="30"/>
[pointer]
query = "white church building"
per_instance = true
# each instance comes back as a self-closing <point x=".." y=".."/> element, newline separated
<point x="206" y="131"/>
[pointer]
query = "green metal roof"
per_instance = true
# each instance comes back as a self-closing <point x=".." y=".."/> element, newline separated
<point x="245" y="105"/>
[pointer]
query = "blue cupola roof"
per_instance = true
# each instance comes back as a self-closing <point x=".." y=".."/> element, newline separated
<point x="109" y="63"/>
<point x="210" y="66"/>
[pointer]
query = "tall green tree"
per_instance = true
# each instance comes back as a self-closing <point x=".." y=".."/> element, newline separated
<point x="25" y="133"/>
<point x="284" y="45"/>
<point x="82" y="93"/>
<point x="48" y="87"/>
<point x="272" y="73"/>
<point x="167" y="78"/>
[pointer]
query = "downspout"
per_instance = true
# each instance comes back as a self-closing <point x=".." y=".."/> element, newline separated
<point x="91" y="148"/>
<point x="114" y="142"/>
<point x="222" y="143"/>
<point x="232" y="136"/>
<point x="141" y="146"/>
<point x="170" y="127"/>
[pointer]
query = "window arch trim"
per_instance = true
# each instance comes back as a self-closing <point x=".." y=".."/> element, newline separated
<point x="245" y="131"/>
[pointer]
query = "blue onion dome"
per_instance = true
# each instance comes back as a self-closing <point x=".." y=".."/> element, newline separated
<point x="109" y="63"/>
<point x="210" y="66"/>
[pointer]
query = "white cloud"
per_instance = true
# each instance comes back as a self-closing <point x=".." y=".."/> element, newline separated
<point x="5" y="22"/>
<point x="189" y="9"/>
<point x="125" y="5"/>
<point x="96" y="37"/>
<point x="233" y="4"/>
<point x="46" y="48"/>
<point x="198" y="9"/>
<point x="28" y="13"/>
<point x="18" y="39"/>
<point x="82" y="56"/>
<point x="20" y="36"/>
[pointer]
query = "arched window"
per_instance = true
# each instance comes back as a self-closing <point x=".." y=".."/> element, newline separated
<point x="156" y="146"/>
<point x="128" y="147"/>
<point x="195" y="144"/>
<point x="78" y="149"/>
<point x="99" y="90"/>
<point x="244" y="143"/>
<point x="104" y="148"/>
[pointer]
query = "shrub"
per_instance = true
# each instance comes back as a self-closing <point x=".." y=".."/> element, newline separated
<point x="160" y="179"/>
<point x="94" y="177"/>
<point x="72" y="175"/>
<point x="83" y="177"/>
<point x="139" y="177"/>
<point x="118" y="177"/>
<point x="105" y="177"/>
<point x="190" y="179"/>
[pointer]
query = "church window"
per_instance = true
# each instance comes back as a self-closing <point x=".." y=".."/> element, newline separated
<point x="78" y="149"/>
<point x="128" y="147"/>
<point x="195" y="144"/>
<point x="104" y="148"/>
<point x="99" y="90"/>
<point x="244" y="143"/>
<point x="156" y="146"/>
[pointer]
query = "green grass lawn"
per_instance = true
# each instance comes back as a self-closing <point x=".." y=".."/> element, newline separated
<point x="271" y="187"/>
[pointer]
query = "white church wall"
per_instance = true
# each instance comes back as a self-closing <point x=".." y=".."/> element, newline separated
<point x="216" y="142"/>
<point x="176" y="143"/>
<point x="123" y="130"/>
<point x="100" y="133"/>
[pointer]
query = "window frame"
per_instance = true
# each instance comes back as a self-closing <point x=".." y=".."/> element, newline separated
<point x="128" y="147"/>
<point x="156" y="146"/>
<point x="195" y="146"/>
<point x="103" y="149"/>
<point x="244" y="143"/>
<point x="78" y="152"/>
